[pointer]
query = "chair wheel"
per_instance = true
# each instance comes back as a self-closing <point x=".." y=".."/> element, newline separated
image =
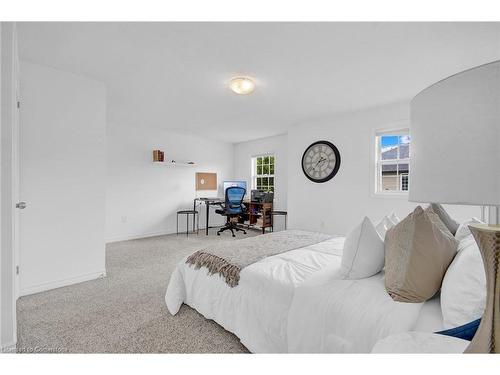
<point x="234" y="235"/>
<point x="218" y="233"/>
<point x="244" y="232"/>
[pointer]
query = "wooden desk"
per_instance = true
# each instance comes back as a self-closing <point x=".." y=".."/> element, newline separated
<point x="259" y="214"/>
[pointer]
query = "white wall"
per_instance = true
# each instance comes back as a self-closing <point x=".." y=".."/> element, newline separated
<point x="62" y="178"/>
<point x="245" y="151"/>
<point x="142" y="198"/>
<point x="338" y="205"/>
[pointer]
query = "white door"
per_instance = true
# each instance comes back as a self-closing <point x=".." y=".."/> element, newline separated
<point x="62" y="179"/>
<point x="16" y="171"/>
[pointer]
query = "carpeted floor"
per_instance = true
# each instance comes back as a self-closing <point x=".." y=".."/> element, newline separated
<point x="124" y="312"/>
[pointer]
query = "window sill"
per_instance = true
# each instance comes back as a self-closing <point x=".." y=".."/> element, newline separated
<point x="391" y="195"/>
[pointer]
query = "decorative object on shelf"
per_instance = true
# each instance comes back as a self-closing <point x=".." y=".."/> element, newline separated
<point x="455" y="130"/>
<point x="206" y="181"/>
<point x="176" y="163"/>
<point x="158" y="156"/>
<point x="321" y="161"/>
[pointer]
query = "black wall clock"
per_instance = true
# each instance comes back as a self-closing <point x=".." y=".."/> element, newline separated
<point x="321" y="161"/>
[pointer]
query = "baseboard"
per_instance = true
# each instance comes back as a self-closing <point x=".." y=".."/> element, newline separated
<point x="151" y="234"/>
<point x="60" y="283"/>
<point x="138" y="236"/>
<point x="9" y="348"/>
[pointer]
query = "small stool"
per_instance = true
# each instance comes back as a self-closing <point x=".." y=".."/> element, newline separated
<point x="187" y="213"/>
<point x="282" y="213"/>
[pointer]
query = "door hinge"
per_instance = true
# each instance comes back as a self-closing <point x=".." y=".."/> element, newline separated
<point x="17" y="270"/>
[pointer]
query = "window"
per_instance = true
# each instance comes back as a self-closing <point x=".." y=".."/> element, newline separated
<point x="393" y="161"/>
<point x="263" y="172"/>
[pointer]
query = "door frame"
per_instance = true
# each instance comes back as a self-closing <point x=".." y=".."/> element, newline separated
<point x="9" y="186"/>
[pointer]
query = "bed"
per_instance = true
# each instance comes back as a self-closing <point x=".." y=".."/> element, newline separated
<point x="295" y="302"/>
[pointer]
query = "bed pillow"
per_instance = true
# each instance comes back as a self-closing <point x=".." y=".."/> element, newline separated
<point x="464" y="332"/>
<point x="463" y="293"/>
<point x="418" y="251"/>
<point x="394" y="218"/>
<point x="451" y="224"/>
<point x="463" y="230"/>
<point x="383" y="226"/>
<point x="363" y="254"/>
<point x="387" y="222"/>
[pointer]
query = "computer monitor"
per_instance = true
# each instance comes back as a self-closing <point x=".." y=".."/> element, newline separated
<point x="228" y="184"/>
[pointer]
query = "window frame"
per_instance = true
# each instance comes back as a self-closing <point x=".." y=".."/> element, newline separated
<point x="254" y="174"/>
<point x="378" y="163"/>
<point x="401" y="183"/>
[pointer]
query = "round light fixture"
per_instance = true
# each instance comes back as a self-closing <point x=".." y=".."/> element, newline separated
<point x="242" y="85"/>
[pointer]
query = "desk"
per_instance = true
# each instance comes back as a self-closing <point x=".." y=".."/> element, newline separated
<point x="259" y="214"/>
<point x="208" y="202"/>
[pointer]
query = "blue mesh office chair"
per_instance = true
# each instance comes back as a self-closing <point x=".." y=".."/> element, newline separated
<point x="233" y="207"/>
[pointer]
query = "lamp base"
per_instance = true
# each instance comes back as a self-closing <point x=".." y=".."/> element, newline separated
<point x="487" y="337"/>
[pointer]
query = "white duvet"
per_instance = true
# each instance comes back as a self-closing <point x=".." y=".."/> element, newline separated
<point x="329" y="315"/>
<point x="294" y="302"/>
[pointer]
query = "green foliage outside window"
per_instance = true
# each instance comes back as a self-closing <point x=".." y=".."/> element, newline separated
<point x="265" y="166"/>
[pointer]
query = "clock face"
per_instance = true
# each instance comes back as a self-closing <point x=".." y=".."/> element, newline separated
<point x="321" y="161"/>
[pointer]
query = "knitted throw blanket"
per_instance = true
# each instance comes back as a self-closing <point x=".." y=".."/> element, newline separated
<point x="228" y="259"/>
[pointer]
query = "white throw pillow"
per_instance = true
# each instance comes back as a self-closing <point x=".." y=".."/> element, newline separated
<point x="363" y="254"/>
<point x="387" y="222"/>
<point x="383" y="226"/>
<point x="464" y="231"/>
<point x="394" y="218"/>
<point x="463" y="292"/>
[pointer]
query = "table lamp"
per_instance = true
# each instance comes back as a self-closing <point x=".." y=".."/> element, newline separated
<point x="455" y="159"/>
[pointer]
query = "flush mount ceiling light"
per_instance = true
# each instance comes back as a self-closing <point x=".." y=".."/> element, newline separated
<point x="242" y="85"/>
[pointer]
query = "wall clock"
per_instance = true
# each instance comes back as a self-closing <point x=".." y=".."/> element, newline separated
<point x="321" y="161"/>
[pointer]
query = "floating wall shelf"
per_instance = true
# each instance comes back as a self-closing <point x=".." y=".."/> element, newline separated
<point x="174" y="163"/>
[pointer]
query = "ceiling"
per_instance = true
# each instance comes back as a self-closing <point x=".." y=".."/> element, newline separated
<point x="174" y="75"/>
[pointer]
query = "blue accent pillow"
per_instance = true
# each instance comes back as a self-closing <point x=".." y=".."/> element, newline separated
<point x="465" y="332"/>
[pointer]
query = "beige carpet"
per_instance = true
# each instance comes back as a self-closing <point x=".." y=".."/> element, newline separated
<point x="124" y="312"/>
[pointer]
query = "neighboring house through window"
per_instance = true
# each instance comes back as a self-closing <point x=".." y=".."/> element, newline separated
<point x="392" y="161"/>
<point x="263" y="172"/>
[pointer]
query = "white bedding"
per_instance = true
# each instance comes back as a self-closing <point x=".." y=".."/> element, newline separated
<point x="345" y="316"/>
<point x="295" y="302"/>
<point x="430" y="318"/>
<point x="420" y="342"/>
<point x="257" y="309"/>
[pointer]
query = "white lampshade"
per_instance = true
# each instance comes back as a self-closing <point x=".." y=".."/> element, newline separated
<point x="455" y="139"/>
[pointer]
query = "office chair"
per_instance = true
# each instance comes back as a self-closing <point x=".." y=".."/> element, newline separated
<point x="233" y="207"/>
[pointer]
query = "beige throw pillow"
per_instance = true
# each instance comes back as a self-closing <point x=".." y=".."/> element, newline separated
<point x="418" y="252"/>
<point x="447" y="220"/>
